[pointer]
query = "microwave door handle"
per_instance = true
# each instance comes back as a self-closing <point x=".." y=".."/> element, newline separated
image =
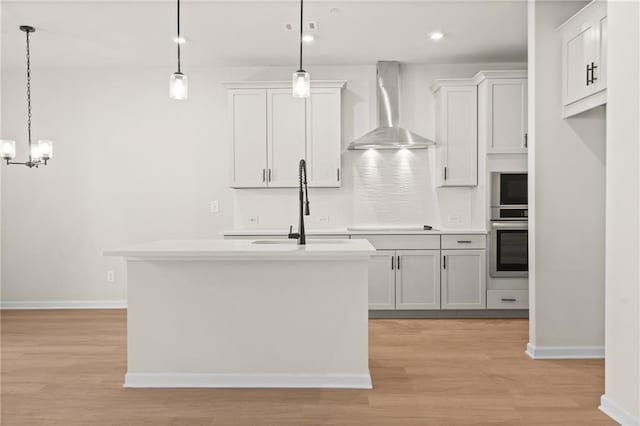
<point x="509" y="225"/>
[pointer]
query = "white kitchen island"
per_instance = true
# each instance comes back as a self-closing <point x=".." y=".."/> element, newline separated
<point x="243" y="313"/>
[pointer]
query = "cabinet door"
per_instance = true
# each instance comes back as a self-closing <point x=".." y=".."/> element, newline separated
<point x="463" y="279"/>
<point x="600" y="74"/>
<point x="324" y="138"/>
<point x="507" y="116"/>
<point x="458" y="135"/>
<point x="417" y="279"/>
<point x="578" y="51"/>
<point x="248" y="110"/>
<point x="382" y="280"/>
<point x="286" y="122"/>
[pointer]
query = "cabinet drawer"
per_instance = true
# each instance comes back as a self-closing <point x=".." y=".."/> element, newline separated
<point x="402" y="242"/>
<point x="508" y="299"/>
<point x="478" y="241"/>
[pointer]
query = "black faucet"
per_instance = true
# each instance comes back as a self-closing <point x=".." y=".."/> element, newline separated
<point x="304" y="205"/>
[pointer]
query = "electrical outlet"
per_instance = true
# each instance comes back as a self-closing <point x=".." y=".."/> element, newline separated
<point x="453" y="219"/>
<point x="324" y="219"/>
<point x="253" y="220"/>
<point x="111" y="276"/>
<point x="214" y="207"/>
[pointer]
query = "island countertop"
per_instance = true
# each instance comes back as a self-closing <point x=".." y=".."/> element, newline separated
<point x="265" y="249"/>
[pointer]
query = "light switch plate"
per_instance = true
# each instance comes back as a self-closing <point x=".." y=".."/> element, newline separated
<point x="214" y="207"/>
<point x="111" y="276"/>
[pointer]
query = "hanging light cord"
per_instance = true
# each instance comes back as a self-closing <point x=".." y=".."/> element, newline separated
<point x="179" y="40"/>
<point x="301" y="9"/>
<point x="29" y="95"/>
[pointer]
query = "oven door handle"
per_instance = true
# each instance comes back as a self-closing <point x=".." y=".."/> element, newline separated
<point x="510" y="225"/>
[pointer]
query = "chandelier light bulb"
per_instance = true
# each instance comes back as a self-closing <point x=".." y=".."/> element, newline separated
<point x="8" y="149"/>
<point x="46" y="149"/>
<point x="36" y="153"/>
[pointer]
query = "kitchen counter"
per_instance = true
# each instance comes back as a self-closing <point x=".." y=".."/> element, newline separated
<point x="345" y="232"/>
<point x="244" y="249"/>
<point x="247" y="313"/>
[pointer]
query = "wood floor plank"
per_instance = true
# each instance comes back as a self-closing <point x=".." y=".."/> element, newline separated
<point x="66" y="368"/>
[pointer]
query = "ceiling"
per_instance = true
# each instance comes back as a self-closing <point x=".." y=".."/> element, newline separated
<point x="237" y="33"/>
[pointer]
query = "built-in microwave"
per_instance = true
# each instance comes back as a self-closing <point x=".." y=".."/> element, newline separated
<point x="509" y="196"/>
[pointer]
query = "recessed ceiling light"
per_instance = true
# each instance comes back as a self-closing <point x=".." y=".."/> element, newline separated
<point x="308" y="38"/>
<point x="436" y="35"/>
<point x="179" y="40"/>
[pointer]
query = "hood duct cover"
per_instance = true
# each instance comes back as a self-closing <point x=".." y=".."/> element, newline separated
<point x="388" y="135"/>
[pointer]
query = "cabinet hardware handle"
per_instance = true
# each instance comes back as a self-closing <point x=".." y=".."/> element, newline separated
<point x="444" y="262"/>
<point x="526" y="140"/>
<point x="445" y="173"/>
<point x="392" y="262"/>
<point x="338" y="173"/>
<point x="593" y="74"/>
<point x="398" y="262"/>
<point x="588" y="69"/>
<point x="464" y="241"/>
<point x="269" y="175"/>
<point x="264" y="175"/>
<point x="508" y="299"/>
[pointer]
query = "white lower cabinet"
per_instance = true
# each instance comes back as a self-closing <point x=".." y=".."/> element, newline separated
<point x="417" y="279"/>
<point x="463" y="279"/>
<point x="382" y="280"/>
<point x="404" y="279"/>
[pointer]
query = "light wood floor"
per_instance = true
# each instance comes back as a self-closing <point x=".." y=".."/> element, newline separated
<point x="67" y="367"/>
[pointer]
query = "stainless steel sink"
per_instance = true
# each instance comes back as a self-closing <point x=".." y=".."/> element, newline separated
<point x="309" y="242"/>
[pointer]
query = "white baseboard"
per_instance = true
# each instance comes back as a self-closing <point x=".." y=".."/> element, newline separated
<point x="565" y="352"/>
<point x="617" y="413"/>
<point x="65" y="304"/>
<point x="196" y="380"/>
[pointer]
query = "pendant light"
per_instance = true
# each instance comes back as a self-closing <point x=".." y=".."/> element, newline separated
<point x="40" y="152"/>
<point x="178" y="82"/>
<point x="301" y="78"/>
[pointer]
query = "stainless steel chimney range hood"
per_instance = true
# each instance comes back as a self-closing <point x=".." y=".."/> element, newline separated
<point x="388" y="134"/>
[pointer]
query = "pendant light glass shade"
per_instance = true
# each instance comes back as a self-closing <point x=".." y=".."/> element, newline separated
<point x="178" y="86"/>
<point x="301" y="84"/>
<point x="8" y="149"/>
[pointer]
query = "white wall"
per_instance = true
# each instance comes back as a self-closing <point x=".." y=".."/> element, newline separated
<point x="130" y="165"/>
<point x="567" y="195"/>
<point x="622" y="364"/>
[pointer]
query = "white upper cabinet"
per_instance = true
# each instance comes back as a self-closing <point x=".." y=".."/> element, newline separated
<point x="286" y="133"/>
<point x="502" y="108"/>
<point x="457" y="132"/>
<point x="323" y="137"/>
<point x="249" y="148"/>
<point x="271" y="131"/>
<point x="584" y="52"/>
